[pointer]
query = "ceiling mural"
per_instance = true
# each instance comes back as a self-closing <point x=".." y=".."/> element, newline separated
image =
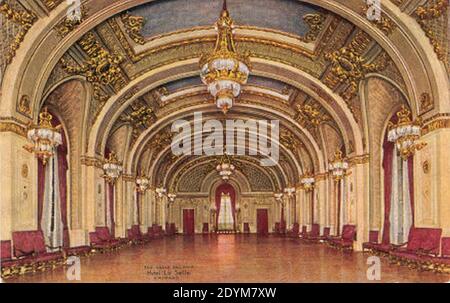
<point x="296" y="16"/>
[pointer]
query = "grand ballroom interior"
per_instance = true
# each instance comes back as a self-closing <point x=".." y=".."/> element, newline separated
<point x="92" y="190"/>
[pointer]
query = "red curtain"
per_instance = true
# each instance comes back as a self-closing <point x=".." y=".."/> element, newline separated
<point x="226" y="189"/>
<point x="388" y="152"/>
<point x="62" y="173"/>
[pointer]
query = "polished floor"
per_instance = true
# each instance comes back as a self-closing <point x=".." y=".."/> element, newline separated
<point x="231" y="258"/>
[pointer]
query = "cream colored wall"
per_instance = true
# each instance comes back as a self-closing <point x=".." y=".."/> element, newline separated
<point x="432" y="185"/>
<point x="18" y="185"/>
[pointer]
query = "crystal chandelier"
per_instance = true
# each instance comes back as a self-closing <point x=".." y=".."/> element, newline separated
<point x="225" y="168"/>
<point x="161" y="191"/>
<point x="278" y="197"/>
<point x="338" y="166"/>
<point x="224" y="71"/>
<point x="44" y="137"/>
<point x="142" y="184"/>
<point x="172" y="197"/>
<point x="308" y="181"/>
<point x="112" y="168"/>
<point x="289" y="191"/>
<point x="405" y="133"/>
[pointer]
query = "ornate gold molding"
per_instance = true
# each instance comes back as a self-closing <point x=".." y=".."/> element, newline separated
<point x="128" y="178"/>
<point x="14" y="128"/>
<point x="24" y="19"/>
<point x="361" y="159"/>
<point x="439" y="121"/>
<point x="91" y="161"/>
<point x="101" y="69"/>
<point x="133" y="27"/>
<point x="316" y="24"/>
<point x="425" y="15"/>
<point x="51" y="4"/>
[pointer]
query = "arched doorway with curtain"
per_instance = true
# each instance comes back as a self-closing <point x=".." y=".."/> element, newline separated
<point x="52" y="193"/>
<point x="225" y="198"/>
<point x="398" y="192"/>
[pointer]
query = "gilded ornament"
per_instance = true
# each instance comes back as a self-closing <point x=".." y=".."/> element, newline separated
<point x="133" y="27"/>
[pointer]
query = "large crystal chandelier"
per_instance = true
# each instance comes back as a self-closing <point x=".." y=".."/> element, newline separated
<point x="161" y="191"/>
<point x="339" y="166"/>
<point x="308" y="181"/>
<point x="224" y="71"/>
<point x="405" y="133"/>
<point x="225" y="168"/>
<point x="289" y="191"/>
<point x="44" y="137"/>
<point x="112" y="168"/>
<point x="142" y="183"/>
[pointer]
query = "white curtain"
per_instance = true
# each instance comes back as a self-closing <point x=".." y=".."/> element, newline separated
<point x="51" y="223"/>
<point x="225" y="220"/>
<point x="135" y="208"/>
<point x="401" y="212"/>
<point x="343" y="206"/>
<point x="109" y="198"/>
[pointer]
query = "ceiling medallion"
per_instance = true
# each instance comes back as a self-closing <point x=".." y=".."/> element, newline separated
<point x="224" y="70"/>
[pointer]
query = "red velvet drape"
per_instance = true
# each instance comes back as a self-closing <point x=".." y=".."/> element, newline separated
<point x="62" y="173"/>
<point x="388" y="152"/>
<point x="226" y="189"/>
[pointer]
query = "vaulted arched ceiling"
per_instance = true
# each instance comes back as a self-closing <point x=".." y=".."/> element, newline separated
<point x="309" y="59"/>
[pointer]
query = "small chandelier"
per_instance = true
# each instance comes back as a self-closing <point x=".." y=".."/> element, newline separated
<point x="308" y="181"/>
<point x="161" y="191"/>
<point x="278" y="197"/>
<point x="338" y="166"/>
<point x="225" y="168"/>
<point x="112" y="168"/>
<point x="289" y="191"/>
<point x="224" y="70"/>
<point x="142" y="184"/>
<point x="44" y="137"/>
<point x="405" y="133"/>
<point x="172" y="197"/>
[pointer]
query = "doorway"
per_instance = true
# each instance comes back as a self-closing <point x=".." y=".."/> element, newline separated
<point x="188" y="222"/>
<point x="262" y="222"/>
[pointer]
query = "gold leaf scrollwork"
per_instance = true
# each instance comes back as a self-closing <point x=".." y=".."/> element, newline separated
<point x="316" y="24"/>
<point x="24" y="19"/>
<point x="133" y="27"/>
<point x="425" y="15"/>
<point x="101" y="69"/>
